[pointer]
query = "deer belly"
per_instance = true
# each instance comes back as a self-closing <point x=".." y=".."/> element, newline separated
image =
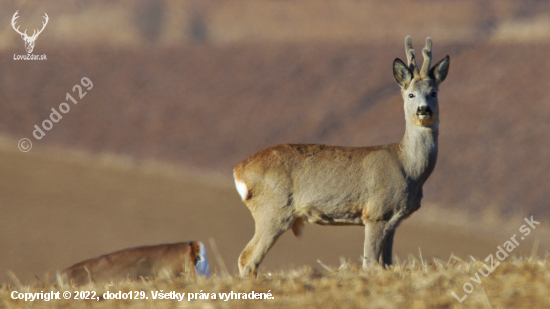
<point x="347" y="214"/>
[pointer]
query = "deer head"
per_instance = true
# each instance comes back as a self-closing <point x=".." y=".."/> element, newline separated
<point x="419" y="87"/>
<point x="29" y="40"/>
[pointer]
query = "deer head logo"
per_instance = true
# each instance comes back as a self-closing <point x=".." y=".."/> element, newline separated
<point x="29" y="40"/>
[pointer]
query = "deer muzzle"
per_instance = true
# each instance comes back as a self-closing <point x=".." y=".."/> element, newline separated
<point x="424" y="112"/>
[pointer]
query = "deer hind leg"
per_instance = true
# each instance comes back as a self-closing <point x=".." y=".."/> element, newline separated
<point x="375" y="234"/>
<point x="269" y="226"/>
<point x="387" y="249"/>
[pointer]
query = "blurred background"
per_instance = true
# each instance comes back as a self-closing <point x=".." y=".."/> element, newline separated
<point x="185" y="90"/>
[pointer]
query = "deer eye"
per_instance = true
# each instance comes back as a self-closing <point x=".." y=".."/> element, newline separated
<point x="411" y="95"/>
<point x="434" y="94"/>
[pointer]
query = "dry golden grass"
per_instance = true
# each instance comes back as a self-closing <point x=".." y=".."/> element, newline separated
<point x="415" y="283"/>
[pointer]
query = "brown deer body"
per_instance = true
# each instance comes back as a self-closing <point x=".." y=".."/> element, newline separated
<point x="378" y="186"/>
<point x="161" y="261"/>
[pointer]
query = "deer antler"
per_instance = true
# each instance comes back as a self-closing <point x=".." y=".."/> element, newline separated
<point x="43" y="26"/>
<point x="13" y="25"/>
<point x="427" y="53"/>
<point x="410" y="55"/>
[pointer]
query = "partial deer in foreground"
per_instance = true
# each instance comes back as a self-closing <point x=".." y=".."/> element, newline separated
<point x="378" y="186"/>
<point x="161" y="261"/>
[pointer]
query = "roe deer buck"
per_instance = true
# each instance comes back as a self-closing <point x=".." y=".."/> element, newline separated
<point x="376" y="186"/>
<point x="165" y="261"/>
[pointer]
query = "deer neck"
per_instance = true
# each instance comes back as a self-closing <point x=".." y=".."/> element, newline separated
<point x="419" y="151"/>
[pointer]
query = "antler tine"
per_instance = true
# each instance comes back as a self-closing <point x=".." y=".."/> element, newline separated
<point x="14" y="18"/>
<point x="13" y="23"/>
<point x="427" y="53"/>
<point x="410" y="55"/>
<point x="43" y="25"/>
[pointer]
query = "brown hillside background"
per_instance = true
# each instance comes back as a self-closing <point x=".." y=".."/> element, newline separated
<point x="201" y="85"/>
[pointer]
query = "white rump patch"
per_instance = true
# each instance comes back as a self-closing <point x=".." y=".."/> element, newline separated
<point x="201" y="267"/>
<point x="241" y="188"/>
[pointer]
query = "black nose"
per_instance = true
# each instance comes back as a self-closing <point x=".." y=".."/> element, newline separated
<point x="424" y="110"/>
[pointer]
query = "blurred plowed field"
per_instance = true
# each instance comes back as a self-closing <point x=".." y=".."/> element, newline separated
<point x="210" y="107"/>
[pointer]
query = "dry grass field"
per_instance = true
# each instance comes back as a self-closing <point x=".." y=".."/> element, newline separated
<point x="413" y="283"/>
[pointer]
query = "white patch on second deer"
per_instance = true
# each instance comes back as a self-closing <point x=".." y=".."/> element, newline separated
<point x="201" y="267"/>
<point x="241" y="188"/>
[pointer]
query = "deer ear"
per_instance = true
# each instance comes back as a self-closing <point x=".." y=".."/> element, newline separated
<point x="401" y="73"/>
<point x="438" y="73"/>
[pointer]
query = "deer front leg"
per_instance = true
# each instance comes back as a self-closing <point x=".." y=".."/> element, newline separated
<point x="387" y="249"/>
<point x="374" y="239"/>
